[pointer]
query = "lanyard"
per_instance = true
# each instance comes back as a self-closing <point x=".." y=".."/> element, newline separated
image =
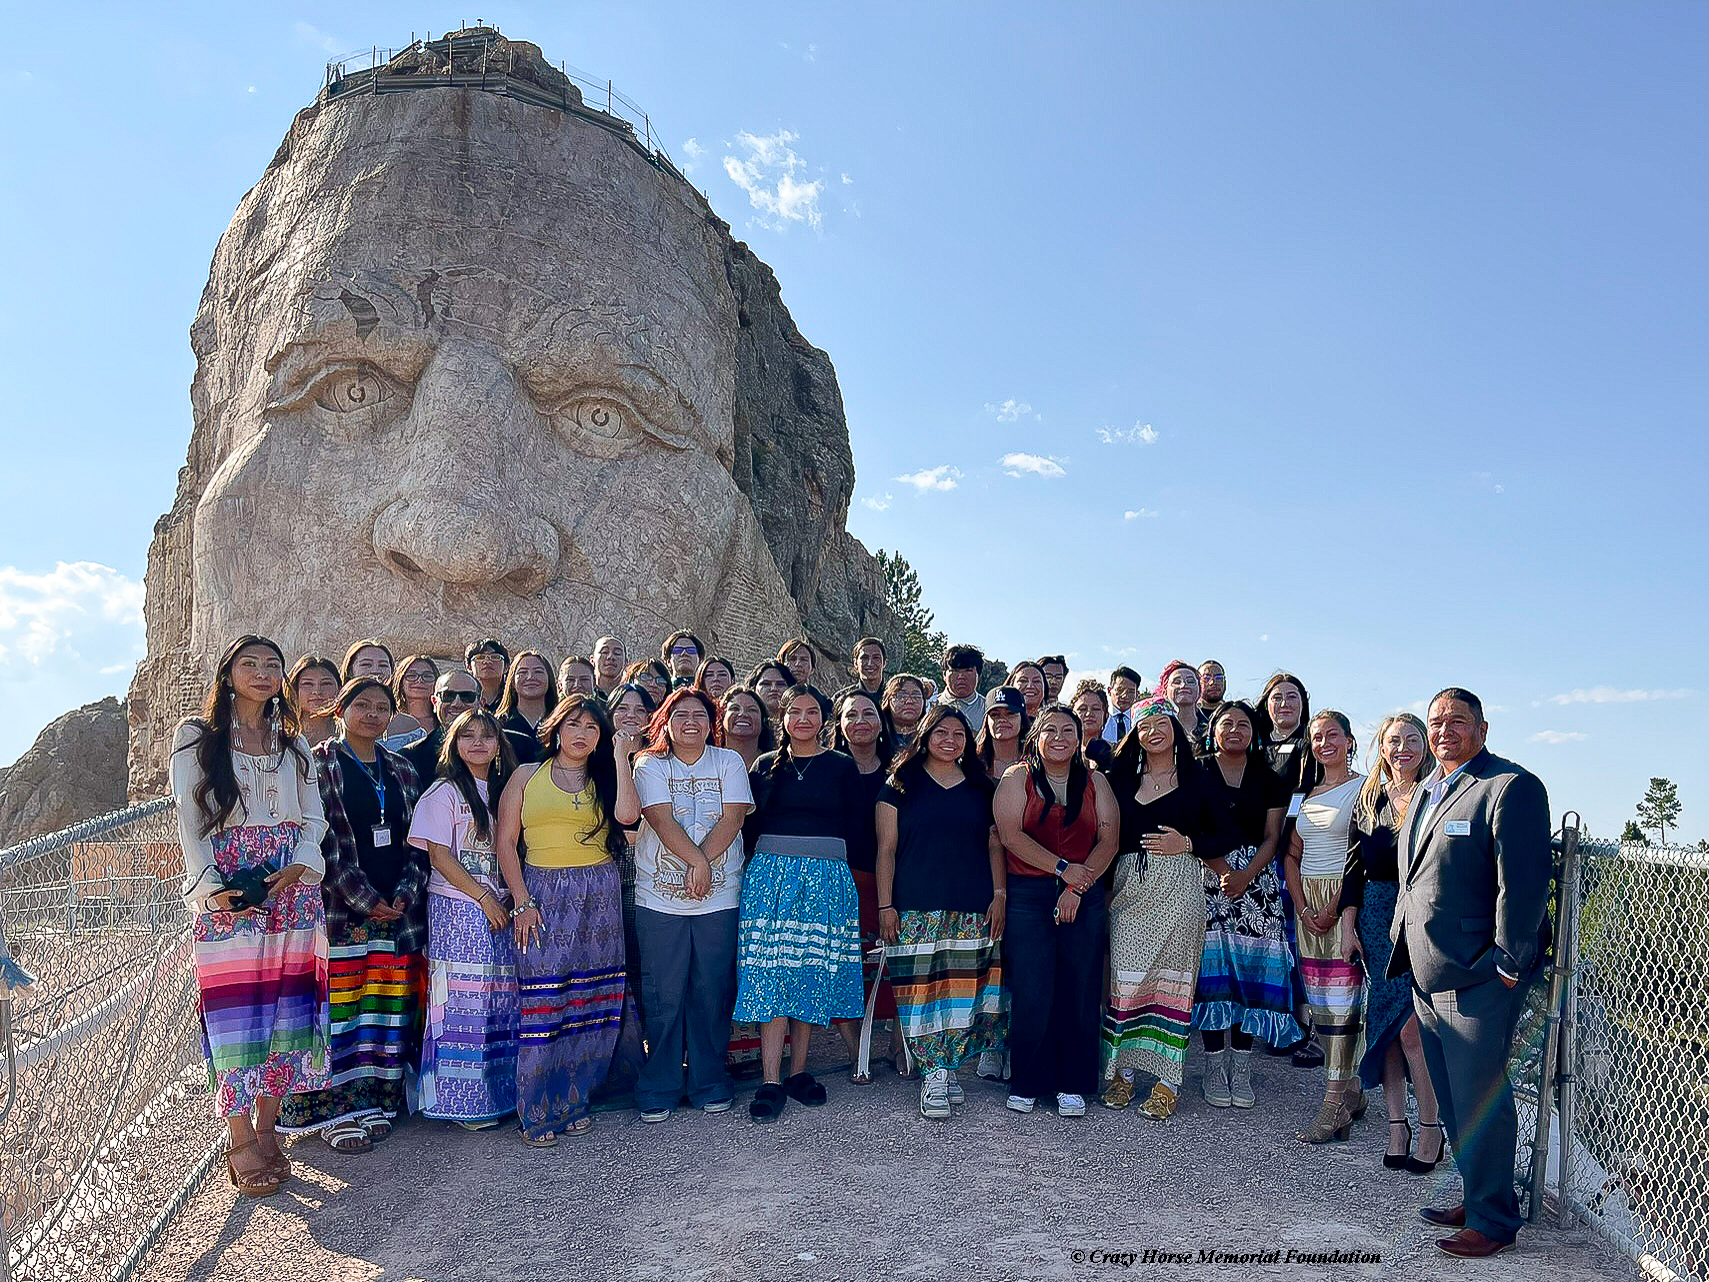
<point x="376" y="780"/>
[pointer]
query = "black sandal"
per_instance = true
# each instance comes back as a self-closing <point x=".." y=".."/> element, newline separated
<point x="767" y="1103"/>
<point x="805" y="1089"/>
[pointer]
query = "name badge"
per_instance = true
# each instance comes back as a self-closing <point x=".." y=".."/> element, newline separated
<point x="1294" y="805"/>
<point x="1458" y="827"/>
<point x="382" y="836"/>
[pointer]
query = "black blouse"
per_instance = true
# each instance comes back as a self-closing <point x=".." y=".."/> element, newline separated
<point x="821" y="796"/>
<point x="1249" y="805"/>
<point x="1193" y="808"/>
<point x="1373" y="850"/>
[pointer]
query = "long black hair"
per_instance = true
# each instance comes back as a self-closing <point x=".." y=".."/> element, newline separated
<point x="1077" y="768"/>
<point x="910" y="764"/>
<point x="453" y="769"/>
<point x="507" y="695"/>
<point x="986" y="747"/>
<point x="1265" y="727"/>
<point x="601" y="762"/>
<point x="781" y="757"/>
<point x="1127" y="767"/>
<point x="839" y="743"/>
<point x="216" y="793"/>
<point x="767" y="737"/>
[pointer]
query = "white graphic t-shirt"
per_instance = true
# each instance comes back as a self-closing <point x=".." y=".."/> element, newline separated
<point x="444" y="818"/>
<point x="697" y="795"/>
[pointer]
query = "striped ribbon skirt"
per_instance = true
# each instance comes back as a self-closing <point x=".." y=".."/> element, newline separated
<point x="571" y="986"/>
<point x="262" y="981"/>
<point x="1246" y="972"/>
<point x="468" y="1050"/>
<point x="1332" y="986"/>
<point x="1157" y="932"/>
<point x="375" y="995"/>
<point x="798" y="950"/>
<point x="948" y="980"/>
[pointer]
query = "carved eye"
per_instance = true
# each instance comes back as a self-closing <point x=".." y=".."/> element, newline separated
<point x="344" y="391"/>
<point x="599" y="417"/>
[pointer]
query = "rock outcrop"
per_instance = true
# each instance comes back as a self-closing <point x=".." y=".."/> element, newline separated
<point x="75" y="770"/>
<point x="472" y="360"/>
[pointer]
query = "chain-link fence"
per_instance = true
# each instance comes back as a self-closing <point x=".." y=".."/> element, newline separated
<point x="1624" y="1060"/>
<point x="105" y="1128"/>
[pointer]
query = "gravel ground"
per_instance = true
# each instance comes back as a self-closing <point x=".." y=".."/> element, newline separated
<point x="863" y="1188"/>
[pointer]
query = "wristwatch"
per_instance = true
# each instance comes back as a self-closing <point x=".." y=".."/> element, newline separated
<point x="1061" y="867"/>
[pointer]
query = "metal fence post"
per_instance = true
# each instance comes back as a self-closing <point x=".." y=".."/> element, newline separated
<point x="1567" y="947"/>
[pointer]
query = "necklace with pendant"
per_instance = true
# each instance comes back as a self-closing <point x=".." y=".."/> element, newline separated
<point x="801" y="768"/>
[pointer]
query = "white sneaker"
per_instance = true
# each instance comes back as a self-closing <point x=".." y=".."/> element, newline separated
<point x="1022" y="1103"/>
<point x="954" y="1091"/>
<point x="1070" y="1105"/>
<point x="991" y="1066"/>
<point x="934" y="1094"/>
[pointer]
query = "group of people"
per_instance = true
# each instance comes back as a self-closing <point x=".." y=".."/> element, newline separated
<point x="489" y="891"/>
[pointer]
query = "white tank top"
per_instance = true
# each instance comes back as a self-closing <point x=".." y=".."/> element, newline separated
<point x="1323" y="823"/>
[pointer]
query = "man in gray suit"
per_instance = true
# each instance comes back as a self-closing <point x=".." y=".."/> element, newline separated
<point x="1471" y="927"/>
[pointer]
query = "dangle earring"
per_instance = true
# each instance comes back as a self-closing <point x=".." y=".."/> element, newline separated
<point x="275" y="719"/>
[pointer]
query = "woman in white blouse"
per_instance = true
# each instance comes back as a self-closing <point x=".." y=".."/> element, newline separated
<point x="250" y="822"/>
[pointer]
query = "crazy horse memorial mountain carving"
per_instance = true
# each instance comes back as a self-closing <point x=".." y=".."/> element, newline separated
<point x="471" y="360"/>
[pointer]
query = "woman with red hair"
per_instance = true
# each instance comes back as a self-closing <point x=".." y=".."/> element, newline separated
<point x="688" y="890"/>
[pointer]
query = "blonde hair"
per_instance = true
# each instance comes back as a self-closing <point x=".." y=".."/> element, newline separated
<point x="1381" y="776"/>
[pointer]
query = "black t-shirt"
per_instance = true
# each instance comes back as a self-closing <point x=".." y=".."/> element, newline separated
<point x="943" y="862"/>
<point x="382" y="865"/>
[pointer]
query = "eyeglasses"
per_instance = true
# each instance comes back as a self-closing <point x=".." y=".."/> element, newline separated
<point x="684" y="649"/>
<point x="458" y="696"/>
<point x="419" y="678"/>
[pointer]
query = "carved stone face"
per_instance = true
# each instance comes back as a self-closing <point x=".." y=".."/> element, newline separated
<point x="468" y="365"/>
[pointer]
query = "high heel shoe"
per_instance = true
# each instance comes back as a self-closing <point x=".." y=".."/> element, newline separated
<point x="1418" y="1167"/>
<point x="1398" y="1161"/>
<point x="1333" y="1122"/>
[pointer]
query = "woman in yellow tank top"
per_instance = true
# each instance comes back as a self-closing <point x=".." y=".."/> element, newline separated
<point x="567" y="813"/>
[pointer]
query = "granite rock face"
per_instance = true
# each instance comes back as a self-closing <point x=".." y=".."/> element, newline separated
<point x="75" y="770"/>
<point x="469" y="363"/>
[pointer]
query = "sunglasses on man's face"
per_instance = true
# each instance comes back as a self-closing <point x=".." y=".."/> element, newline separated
<point x="457" y="696"/>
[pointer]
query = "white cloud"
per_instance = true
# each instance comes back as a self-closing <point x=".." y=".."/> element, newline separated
<point x="1608" y="694"/>
<point x="847" y="181"/>
<point x="67" y="636"/>
<point x="877" y="504"/>
<point x="768" y="171"/>
<point x="1032" y="465"/>
<point x="1263" y="636"/>
<point x="1141" y="514"/>
<point x="251" y="89"/>
<point x="933" y="478"/>
<point x="812" y="54"/>
<point x="308" y="33"/>
<point x="1138" y="434"/>
<point x="692" y="152"/>
<point x="1557" y="736"/>
<point x="1010" y="411"/>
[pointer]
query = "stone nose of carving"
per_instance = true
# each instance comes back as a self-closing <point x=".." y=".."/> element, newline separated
<point x="469" y="544"/>
<point x="473" y="531"/>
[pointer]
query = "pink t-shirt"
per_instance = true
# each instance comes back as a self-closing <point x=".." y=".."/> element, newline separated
<point x="444" y="818"/>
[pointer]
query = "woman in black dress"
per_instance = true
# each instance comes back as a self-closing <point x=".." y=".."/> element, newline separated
<point x="1369" y="887"/>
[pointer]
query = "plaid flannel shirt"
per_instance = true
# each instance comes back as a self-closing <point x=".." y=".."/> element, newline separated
<point x="349" y="895"/>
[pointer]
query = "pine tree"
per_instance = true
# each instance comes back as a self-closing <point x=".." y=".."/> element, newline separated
<point x="922" y="645"/>
<point x="1631" y="832"/>
<point x="1660" y="807"/>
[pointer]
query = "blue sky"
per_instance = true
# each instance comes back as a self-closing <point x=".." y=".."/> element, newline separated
<point x="1366" y="341"/>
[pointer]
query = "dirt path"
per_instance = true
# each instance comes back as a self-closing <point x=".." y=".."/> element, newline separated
<point x="863" y="1188"/>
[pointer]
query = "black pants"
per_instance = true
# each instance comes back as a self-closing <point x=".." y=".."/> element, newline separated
<point x="1055" y="977"/>
<point x="1468" y="1036"/>
<point x="688" y="983"/>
